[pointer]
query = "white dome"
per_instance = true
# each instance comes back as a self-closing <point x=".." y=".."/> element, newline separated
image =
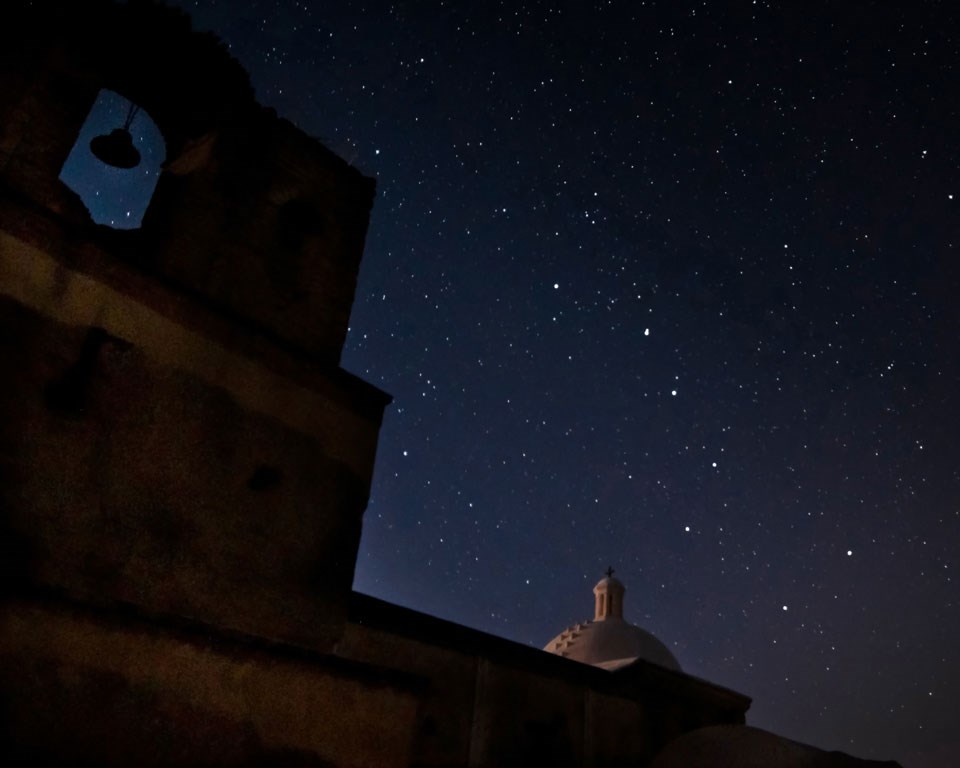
<point x="608" y="641"/>
<point x="611" y="643"/>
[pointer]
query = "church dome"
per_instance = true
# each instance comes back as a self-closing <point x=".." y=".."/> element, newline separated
<point x="608" y="640"/>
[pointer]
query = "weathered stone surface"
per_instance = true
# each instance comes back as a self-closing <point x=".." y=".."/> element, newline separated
<point x="130" y="468"/>
<point x="86" y="688"/>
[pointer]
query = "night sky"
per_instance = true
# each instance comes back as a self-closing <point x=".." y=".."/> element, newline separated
<point x="671" y="287"/>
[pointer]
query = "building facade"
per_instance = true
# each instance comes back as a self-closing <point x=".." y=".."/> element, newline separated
<point x="184" y="465"/>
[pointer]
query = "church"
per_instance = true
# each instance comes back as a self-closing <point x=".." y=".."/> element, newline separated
<point x="184" y="465"/>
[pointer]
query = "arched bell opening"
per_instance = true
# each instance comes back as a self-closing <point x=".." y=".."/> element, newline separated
<point x="116" y="161"/>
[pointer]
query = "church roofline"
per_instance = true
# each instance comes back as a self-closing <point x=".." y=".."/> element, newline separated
<point x="639" y="678"/>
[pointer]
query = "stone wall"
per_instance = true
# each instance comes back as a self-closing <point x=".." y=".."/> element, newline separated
<point x="184" y="466"/>
<point x="489" y="701"/>
<point x="82" y="688"/>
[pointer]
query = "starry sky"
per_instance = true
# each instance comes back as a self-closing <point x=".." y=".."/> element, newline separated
<point x="668" y="286"/>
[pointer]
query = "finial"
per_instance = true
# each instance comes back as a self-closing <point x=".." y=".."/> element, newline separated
<point x="610" y="571"/>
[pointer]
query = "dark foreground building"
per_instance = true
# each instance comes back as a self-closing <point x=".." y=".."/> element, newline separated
<point x="184" y="465"/>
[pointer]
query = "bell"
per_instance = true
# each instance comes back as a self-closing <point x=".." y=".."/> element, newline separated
<point x="116" y="149"/>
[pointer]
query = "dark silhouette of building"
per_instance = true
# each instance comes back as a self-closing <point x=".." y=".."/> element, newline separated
<point x="184" y="465"/>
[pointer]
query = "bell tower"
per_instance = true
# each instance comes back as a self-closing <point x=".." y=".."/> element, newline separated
<point x="184" y="465"/>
